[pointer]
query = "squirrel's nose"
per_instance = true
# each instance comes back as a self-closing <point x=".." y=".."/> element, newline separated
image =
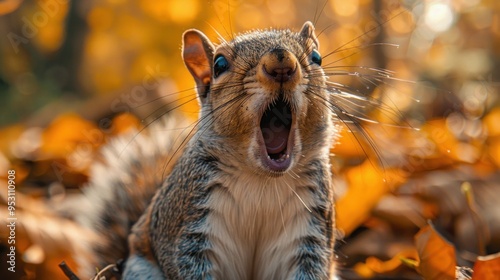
<point x="279" y="65"/>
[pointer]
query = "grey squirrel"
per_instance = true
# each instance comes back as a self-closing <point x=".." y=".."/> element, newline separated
<point x="250" y="195"/>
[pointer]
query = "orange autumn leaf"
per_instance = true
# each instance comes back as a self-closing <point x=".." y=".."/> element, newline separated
<point x="9" y="6"/>
<point x="68" y="132"/>
<point x="124" y="122"/>
<point x="494" y="152"/>
<point x="10" y="135"/>
<point x="487" y="267"/>
<point x="448" y="144"/>
<point x="348" y="145"/>
<point x="436" y="255"/>
<point x="491" y="121"/>
<point x="50" y="35"/>
<point x="21" y="171"/>
<point x="373" y="265"/>
<point x="367" y="185"/>
<point x="438" y="132"/>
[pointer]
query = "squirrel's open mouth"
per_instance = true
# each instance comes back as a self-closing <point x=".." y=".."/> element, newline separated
<point x="276" y="128"/>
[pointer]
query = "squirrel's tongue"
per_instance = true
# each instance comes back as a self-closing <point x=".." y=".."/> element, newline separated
<point x="275" y="125"/>
<point x="275" y="137"/>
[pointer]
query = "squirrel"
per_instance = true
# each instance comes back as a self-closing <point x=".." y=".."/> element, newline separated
<point x="250" y="195"/>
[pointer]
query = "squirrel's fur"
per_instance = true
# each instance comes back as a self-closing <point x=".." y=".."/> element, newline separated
<point x="233" y="206"/>
<point x="132" y="169"/>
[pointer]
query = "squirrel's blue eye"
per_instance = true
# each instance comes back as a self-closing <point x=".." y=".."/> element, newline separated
<point x="316" y="57"/>
<point x="220" y="65"/>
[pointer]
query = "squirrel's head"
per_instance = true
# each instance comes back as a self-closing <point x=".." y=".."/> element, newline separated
<point x="263" y="95"/>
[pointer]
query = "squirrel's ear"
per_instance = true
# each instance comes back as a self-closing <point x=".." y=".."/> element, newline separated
<point x="197" y="53"/>
<point x="307" y="32"/>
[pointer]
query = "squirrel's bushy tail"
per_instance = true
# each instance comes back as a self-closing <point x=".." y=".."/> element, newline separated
<point x="122" y="184"/>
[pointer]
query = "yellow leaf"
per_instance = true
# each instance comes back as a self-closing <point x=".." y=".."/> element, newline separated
<point x="410" y="262"/>
<point x="437" y="255"/>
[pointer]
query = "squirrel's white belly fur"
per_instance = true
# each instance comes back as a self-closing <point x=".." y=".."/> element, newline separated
<point x="254" y="225"/>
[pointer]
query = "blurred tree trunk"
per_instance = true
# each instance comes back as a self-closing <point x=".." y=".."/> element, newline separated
<point x="70" y="55"/>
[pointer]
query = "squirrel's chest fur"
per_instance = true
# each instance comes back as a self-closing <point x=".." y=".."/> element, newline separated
<point x="254" y="223"/>
<point x="239" y="225"/>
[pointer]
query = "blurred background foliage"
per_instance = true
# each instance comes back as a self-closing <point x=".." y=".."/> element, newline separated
<point x="68" y="50"/>
<point x="100" y="67"/>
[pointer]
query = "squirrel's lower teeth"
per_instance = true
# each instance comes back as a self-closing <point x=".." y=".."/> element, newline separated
<point x="281" y="158"/>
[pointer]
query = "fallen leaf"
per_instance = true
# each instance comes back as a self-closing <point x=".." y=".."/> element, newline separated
<point x="367" y="185"/>
<point x="373" y="265"/>
<point x="9" y="6"/>
<point x="494" y="152"/>
<point x="487" y="267"/>
<point x="10" y="135"/>
<point x="68" y="133"/>
<point x="349" y="144"/>
<point x="491" y="121"/>
<point x="124" y="122"/>
<point x="436" y="255"/>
